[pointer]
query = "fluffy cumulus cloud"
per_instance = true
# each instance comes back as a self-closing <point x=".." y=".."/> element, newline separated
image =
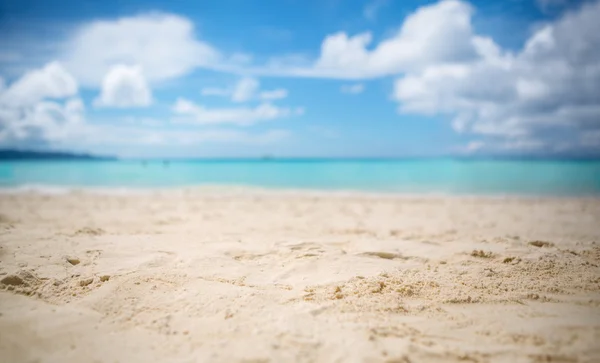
<point x="39" y="107"/>
<point x="40" y="124"/>
<point x="432" y="34"/>
<point x="164" y="45"/>
<point x="546" y="97"/>
<point x="124" y="86"/>
<point x="189" y="112"/>
<point x="246" y="89"/>
<point x="542" y="98"/>
<point x="51" y="81"/>
<point x="43" y="109"/>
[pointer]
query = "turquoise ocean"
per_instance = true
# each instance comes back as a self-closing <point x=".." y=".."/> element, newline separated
<point x="446" y="176"/>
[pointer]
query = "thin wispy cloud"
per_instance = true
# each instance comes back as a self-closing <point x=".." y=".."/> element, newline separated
<point x="353" y="89"/>
<point x="190" y="112"/>
<point x="246" y="89"/>
<point x="276" y="94"/>
<point x="373" y="8"/>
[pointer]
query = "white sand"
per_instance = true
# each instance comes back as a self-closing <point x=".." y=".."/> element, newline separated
<point x="193" y="276"/>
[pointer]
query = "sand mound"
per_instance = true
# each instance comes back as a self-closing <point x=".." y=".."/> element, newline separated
<point x="547" y="277"/>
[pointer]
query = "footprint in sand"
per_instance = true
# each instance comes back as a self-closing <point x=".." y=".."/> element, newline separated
<point x="89" y="231"/>
<point x="541" y="244"/>
<point x="382" y="254"/>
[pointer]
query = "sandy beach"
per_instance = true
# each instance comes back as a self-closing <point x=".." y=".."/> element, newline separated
<point x="256" y="276"/>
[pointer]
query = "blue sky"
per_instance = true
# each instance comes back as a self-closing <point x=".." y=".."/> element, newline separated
<point x="301" y="78"/>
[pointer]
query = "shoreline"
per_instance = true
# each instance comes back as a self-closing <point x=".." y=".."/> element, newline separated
<point x="232" y="189"/>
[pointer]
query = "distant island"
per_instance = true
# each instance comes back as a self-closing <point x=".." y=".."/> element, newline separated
<point x="11" y="155"/>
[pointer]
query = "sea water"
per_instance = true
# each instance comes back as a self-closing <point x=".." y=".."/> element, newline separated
<point x="449" y="176"/>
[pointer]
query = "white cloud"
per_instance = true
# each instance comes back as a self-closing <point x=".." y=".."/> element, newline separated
<point x="189" y="112"/>
<point x="186" y="138"/>
<point x="474" y="146"/>
<point x="540" y="95"/>
<point x="548" y="90"/>
<point x="213" y="91"/>
<point x="143" y="121"/>
<point x="245" y="89"/>
<point x="52" y="115"/>
<point x="33" y="109"/>
<point x="51" y="81"/>
<point x="164" y="45"/>
<point x="131" y="135"/>
<point x="433" y="34"/>
<point x="507" y="147"/>
<point x="276" y="94"/>
<point x="124" y="86"/>
<point x="353" y="89"/>
<point x="41" y="123"/>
